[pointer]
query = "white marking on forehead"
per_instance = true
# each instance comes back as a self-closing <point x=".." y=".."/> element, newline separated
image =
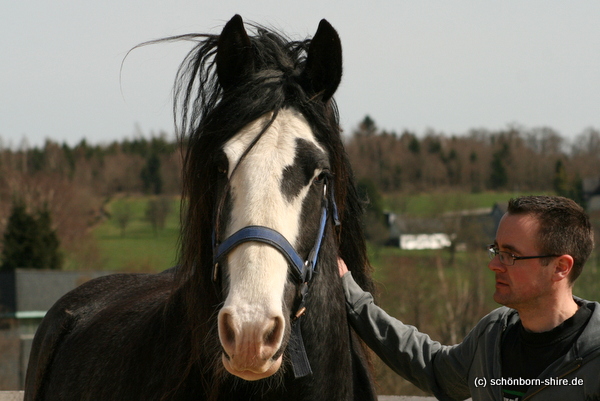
<point x="278" y="143"/>
<point x="256" y="184"/>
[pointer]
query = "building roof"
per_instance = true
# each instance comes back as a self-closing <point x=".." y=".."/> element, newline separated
<point x="26" y="291"/>
<point x="591" y="186"/>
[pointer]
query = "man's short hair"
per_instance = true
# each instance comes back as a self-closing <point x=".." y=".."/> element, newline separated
<point x="565" y="228"/>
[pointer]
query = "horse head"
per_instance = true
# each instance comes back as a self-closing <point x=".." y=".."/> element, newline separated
<point x="275" y="173"/>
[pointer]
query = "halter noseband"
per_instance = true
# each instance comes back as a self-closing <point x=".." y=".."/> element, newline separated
<point x="302" y="269"/>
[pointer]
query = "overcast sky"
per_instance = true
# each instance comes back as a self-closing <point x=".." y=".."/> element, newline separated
<point x="445" y="65"/>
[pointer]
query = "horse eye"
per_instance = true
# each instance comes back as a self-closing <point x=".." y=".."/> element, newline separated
<point x="221" y="162"/>
<point x="320" y="177"/>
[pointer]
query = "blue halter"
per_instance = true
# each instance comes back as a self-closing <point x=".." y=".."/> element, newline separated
<point x="303" y="270"/>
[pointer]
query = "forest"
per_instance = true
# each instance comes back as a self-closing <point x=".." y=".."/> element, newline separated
<point x="441" y="293"/>
<point x="74" y="182"/>
<point x="514" y="159"/>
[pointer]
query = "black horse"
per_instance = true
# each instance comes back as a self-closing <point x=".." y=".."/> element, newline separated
<point x="255" y="309"/>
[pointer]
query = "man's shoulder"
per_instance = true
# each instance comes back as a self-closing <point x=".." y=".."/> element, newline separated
<point x="498" y="319"/>
<point x="593" y="324"/>
<point x="502" y="313"/>
<point x="593" y="305"/>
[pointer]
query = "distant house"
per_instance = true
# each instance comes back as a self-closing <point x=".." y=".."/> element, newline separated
<point x="591" y="193"/>
<point x="424" y="241"/>
<point x="25" y="297"/>
<point x="407" y="232"/>
<point x="478" y="226"/>
<point x="498" y="210"/>
<point x="475" y="227"/>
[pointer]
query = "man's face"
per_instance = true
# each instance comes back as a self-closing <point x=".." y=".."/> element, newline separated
<point x="526" y="284"/>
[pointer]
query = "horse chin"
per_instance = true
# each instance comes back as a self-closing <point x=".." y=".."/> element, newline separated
<point x="254" y="373"/>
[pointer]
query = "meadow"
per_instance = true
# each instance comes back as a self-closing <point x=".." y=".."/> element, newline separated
<point x="435" y="203"/>
<point x="138" y="247"/>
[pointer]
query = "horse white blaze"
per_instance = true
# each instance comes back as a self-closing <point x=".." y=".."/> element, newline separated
<point x="251" y="322"/>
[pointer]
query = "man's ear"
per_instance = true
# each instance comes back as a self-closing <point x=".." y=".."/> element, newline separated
<point x="563" y="267"/>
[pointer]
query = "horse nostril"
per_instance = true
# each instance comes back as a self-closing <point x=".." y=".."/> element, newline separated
<point x="226" y="331"/>
<point x="274" y="333"/>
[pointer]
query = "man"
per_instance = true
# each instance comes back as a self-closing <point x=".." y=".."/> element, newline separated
<point x="543" y="344"/>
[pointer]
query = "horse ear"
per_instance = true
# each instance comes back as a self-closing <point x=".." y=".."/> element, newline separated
<point x="323" y="70"/>
<point x="234" y="53"/>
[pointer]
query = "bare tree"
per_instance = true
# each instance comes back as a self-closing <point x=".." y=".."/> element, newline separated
<point x="122" y="214"/>
<point x="157" y="211"/>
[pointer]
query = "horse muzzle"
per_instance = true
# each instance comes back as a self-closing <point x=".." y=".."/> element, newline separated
<point x="253" y="373"/>
<point x="251" y="345"/>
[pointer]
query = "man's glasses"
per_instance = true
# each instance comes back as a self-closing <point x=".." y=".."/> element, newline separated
<point x="507" y="258"/>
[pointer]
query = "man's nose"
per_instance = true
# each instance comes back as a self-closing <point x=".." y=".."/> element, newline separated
<point x="495" y="265"/>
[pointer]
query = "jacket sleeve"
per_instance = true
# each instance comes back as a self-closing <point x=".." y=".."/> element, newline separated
<point x="411" y="354"/>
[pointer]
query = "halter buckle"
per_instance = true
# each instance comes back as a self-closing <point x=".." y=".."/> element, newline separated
<point x="215" y="273"/>
<point x="300" y="313"/>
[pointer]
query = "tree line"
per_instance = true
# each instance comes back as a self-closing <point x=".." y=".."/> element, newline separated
<point x="73" y="182"/>
<point x="514" y="159"/>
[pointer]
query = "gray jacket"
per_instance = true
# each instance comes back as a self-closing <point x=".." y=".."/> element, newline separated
<point x="472" y="368"/>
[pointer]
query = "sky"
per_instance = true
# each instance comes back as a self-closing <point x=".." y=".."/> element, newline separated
<point x="448" y="66"/>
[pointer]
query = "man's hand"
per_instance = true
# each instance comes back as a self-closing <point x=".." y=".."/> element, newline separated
<point x="343" y="269"/>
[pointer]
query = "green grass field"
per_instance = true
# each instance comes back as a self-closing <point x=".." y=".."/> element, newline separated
<point x="138" y="247"/>
<point x="428" y="204"/>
